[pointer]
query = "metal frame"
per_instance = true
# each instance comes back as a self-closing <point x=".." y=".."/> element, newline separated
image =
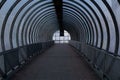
<point x="75" y="9"/>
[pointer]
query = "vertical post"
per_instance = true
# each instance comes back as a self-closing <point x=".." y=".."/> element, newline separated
<point x="59" y="12"/>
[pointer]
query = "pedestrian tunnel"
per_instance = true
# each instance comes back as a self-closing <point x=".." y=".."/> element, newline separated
<point x="28" y="28"/>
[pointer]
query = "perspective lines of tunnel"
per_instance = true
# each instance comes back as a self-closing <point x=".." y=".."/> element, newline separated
<point x="59" y="62"/>
<point x="30" y="27"/>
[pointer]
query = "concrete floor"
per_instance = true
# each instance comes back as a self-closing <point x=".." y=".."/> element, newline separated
<point x="60" y="62"/>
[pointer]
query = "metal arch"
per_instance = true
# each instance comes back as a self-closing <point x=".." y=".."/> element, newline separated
<point x="40" y="22"/>
<point x="41" y="17"/>
<point x="23" y="17"/>
<point x="21" y="21"/>
<point x="4" y="24"/>
<point x="93" y="22"/>
<point x="74" y="22"/>
<point x="24" y="29"/>
<point x="118" y="1"/>
<point x="48" y="31"/>
<point x="115" y="25"/>
<point x="76" y="8"/>
<point x="99" y="22"/>
<point x="34" y="21"/>
<point x="38" y="30"/>
<point x="104" y="19"/>
<point x="88" y="29"/>
<point x="106" y="23"/>
<point x="17" y="16"/>
<point x="2" y="3"/>
<point x="79" y="18"/>
<point x="82" y="22"/>
<point x="13" y="22"/>
<point x="71" y="31"/>
<point x="75" y="16"/>
<point x="29" y="22"/>
<point x="44" y="23"/>
<point x="81" y="30"/>
<point x="87" y="20"/>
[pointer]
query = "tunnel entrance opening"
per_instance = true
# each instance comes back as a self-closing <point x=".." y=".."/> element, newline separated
<point x="61" y="39"/>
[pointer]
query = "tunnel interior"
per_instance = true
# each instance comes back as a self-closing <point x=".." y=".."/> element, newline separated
<point x="92" y="24"/>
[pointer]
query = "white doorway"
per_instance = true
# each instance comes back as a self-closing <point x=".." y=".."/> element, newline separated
<point x="61" y="39"/>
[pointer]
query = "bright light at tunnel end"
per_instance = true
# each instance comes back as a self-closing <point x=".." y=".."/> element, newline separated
<point x="61" y="39"/>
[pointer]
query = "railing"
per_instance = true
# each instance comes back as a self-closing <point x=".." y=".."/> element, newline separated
<point x="13" y="60"/>
<point x="104" y="63"/>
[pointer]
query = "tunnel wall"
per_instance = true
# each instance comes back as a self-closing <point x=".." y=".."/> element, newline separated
<point x="24" y="22"/>
<point x="96" y="22"/>
<point x="99" y="33"/>
<point x="104" y="63"/>
<point x="13" y="60"/>
<point x="26" y="30"/>
<point x="93" y="23"/>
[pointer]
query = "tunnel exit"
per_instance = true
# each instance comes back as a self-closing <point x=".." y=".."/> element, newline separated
<point x="61" y="39"/>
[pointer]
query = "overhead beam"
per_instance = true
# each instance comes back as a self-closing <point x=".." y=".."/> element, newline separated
<point x="59" y="12"/>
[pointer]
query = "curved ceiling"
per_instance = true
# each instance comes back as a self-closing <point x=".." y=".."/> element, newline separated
<point x="94" y="22"/>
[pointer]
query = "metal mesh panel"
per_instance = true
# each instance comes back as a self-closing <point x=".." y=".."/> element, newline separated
<point x="11" y="59"/>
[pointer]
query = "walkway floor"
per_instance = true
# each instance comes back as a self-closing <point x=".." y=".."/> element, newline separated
<point x="60" y="62"/>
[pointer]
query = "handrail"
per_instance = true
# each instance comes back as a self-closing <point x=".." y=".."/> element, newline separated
<point x="106" y="64"/>
<point x="13" y="59"/>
